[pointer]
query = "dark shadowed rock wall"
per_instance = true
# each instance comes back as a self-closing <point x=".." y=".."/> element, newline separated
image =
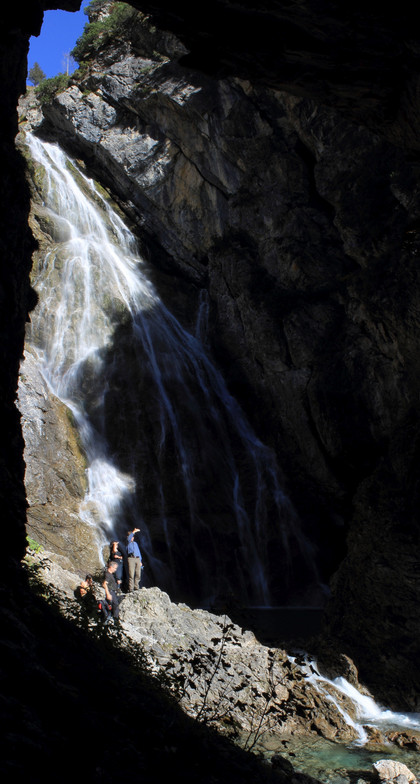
<point x="19" y="21"/>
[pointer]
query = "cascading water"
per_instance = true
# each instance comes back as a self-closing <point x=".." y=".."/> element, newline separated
<point x="335" y="762"/>
<point x="366" y="712"/>
<point x="168" y="448"/>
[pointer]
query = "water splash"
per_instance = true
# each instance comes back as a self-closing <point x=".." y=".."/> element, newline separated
<point x="364" y="708"/>
<point x="191" y="462"/>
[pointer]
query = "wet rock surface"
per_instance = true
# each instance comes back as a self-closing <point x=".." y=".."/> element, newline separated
<point x="409" y="740"/>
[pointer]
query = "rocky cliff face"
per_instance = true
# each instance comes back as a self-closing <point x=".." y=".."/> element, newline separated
<point x="55" y="477"/>
<point x="298" y="215"/>
<point x="346" y="336"/>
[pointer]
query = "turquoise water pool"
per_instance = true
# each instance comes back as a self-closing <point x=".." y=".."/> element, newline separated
<point x="334" y="763"/>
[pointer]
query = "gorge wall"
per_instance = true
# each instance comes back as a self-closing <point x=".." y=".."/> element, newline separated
<point x="279" y="173"/>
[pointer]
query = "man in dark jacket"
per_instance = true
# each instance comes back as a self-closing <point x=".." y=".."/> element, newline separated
<point x="111" y="589"/>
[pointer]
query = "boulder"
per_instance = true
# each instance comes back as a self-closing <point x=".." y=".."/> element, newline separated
<point x="390" y="770"/>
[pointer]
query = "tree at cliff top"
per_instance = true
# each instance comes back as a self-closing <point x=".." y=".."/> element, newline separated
<point x="36" y="74"/>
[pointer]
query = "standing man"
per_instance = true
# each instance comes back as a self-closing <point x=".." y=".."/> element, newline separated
<point x="122" y="548"/>
<point x="134" y="560"/>
<point x="111" y="590"/>
<point x="116" y="555"/>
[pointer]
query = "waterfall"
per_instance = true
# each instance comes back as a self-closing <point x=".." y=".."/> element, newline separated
<point x="168" y="448"/>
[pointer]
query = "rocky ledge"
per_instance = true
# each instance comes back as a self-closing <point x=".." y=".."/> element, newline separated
<point x="219" y="673"/>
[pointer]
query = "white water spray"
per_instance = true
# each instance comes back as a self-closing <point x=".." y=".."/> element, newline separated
<point x="91" y="282"/>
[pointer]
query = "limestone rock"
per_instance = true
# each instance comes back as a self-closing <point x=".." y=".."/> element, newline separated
<point x="409" y="739"/>
<point x="55" y="470"/>
<point x="217" y="671"/>
<point x="390" y="770"/>
<point x="55" y="570"/>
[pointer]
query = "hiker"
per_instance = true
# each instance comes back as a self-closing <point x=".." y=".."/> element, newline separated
<point x="85" y="593"/>
<point x="134" y="560"/>
<point x="122" y="548"/>
<point x="85" y="586"/>
<point x="116" y="555"/>
<point x="111" y="589"/>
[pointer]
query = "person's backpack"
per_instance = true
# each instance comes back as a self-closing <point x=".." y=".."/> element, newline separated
<point x="104" y="609"/>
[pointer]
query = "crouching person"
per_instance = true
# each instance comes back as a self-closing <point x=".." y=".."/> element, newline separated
<point x="85" y="594"/>
<point x="111" y="589"/>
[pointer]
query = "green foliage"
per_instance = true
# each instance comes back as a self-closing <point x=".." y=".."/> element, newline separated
<point x="36" y="74"/>
<point x="50" y="87"/>
<point x="80" y="72"/>
<point x="94" y="7"/>
<point x="97" y="33"/>
<point x="33" y="545"/>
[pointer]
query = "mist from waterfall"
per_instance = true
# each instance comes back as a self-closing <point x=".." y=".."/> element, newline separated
<point x="173" y="454"/>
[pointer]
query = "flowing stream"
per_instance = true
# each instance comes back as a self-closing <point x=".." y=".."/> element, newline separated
<point x="167" y="446"/>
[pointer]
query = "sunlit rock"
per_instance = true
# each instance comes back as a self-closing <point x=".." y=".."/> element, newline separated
<point x="55" y="477"/>
<point x="389" y="770"/>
